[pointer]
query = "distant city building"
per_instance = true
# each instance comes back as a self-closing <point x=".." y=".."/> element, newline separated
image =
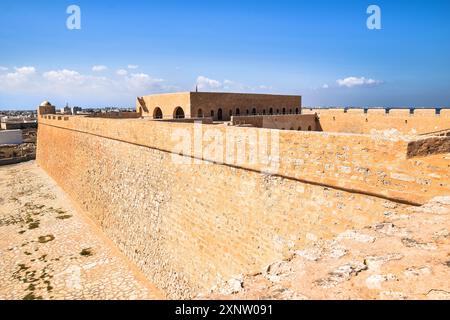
<point x="46" y="107"/>
<point x="76" y="110"/>
<point x="66" y="110"/>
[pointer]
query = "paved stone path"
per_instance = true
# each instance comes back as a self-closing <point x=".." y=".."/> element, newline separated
<point x="50" y="251"/>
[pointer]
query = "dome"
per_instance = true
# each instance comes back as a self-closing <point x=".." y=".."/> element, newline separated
<point x="45" y="104"/>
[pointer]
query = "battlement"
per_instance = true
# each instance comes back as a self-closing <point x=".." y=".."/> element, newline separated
<point x="386" y="110"/>
<point x="445" y="112"/>
<point x="406" y="121"/>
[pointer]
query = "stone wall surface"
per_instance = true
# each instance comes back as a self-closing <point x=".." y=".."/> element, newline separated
<point x="246" y="103"/>
<point x="166" y="102"/>
<point x="356" y="121"/>
<point x="299" y="122"/>
<point x="369" y="164"/>
<point x="189" y="226"/>
<point x="208" y="104"/>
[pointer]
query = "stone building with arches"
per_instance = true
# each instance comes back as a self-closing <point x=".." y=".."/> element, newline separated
<point x="215" y="105"/>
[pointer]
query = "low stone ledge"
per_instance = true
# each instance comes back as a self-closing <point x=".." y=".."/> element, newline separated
<point x="428" y="146"/>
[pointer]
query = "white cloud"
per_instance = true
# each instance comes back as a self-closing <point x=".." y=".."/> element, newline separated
<point x="20" y="77"/>
<point x="61" y="85"/>
<point x="351" y="82"/>
<point x="99" y="68"/>
<point x="207" y="84"/>
<point x="122" y="72"/>
<point x="25" y="70"/>
<point x="64" y="76"/>
<point x="204" y="83"/>
<point x="71" y="85"/>
<point x="325" y="86"/>
<point x="3" y="68"/>
<point x="142" y="82"/>
<point x="132" y="66"/>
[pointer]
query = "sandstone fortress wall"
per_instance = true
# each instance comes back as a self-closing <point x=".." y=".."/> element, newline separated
<point x="299" y="122"/>
<point x="189" y="225"/>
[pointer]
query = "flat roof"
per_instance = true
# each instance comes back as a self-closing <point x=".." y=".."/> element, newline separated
<point x="223" y="93"/>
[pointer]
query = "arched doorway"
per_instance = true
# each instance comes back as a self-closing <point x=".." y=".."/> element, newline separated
<point x="200" y="113"/>
<point x="238" y="112"/>
<point x="178" y="113"/>
<point x="284" y="110"/>
<point x="271" y="111"/>
<point x="220" y="115"/>
<point x="253" y="111"/>
<point x="157" y="113"/>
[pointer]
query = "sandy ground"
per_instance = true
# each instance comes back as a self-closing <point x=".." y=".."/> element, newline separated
<point x="50" y="251"/>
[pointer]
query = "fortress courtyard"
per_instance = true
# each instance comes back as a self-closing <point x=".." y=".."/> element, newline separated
<point x="230" y="196"/>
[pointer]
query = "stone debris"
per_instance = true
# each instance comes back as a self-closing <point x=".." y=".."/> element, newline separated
<point x="347" y="271"/>
<point x="411" y="243"/>
<point x="356" y="236"/>
<point x="341" y="274"/>
<point x="391" y="230"/>
<point x="233" y="286"/>
<point x="438" y="205"/>
<point x="275" y="272"/>
<point x="441" y="234"/>
<point x="281" y="293"/>
<point x="374" y="263"/>
<point x="337" y="252"/>
<point x="417" y="272"/>
<point x="392" y="295"/>
<point x="438" y="294"/>
<point x="443" y="201"/>
<point x="311" y="254"/>
<point x="375" y="281"/>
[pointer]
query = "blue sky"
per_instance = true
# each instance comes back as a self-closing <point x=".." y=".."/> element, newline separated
<point x="319" y="49"/>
